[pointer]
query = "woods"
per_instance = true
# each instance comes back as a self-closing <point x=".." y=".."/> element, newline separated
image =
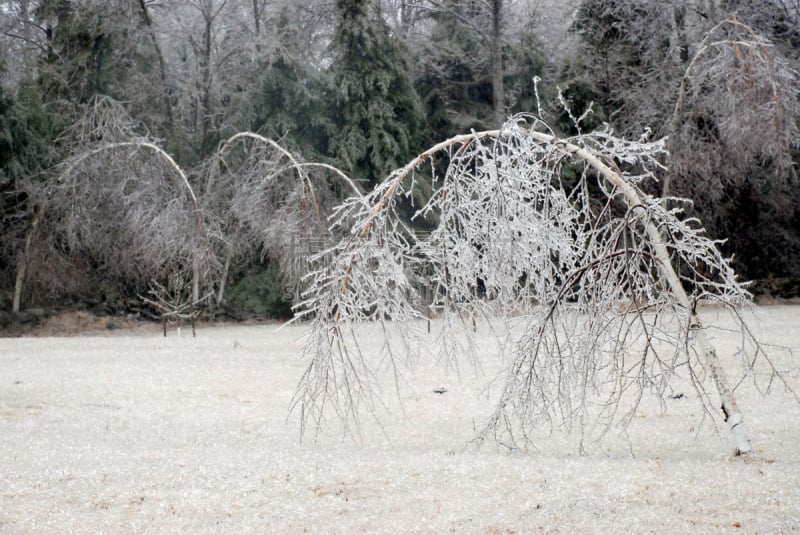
<point x="360" y="86"/>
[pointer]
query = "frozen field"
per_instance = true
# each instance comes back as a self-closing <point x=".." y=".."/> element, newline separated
<point x="130" y="432"/>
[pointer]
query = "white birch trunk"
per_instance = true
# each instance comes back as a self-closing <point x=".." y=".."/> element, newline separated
<point x="709" y="355"/>
<point x="195" y="282"/>
<point x="224" y="276"/>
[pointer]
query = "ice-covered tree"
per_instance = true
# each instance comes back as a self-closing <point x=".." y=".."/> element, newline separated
<point x="118" y="212"/>
<point x="258" y="196"/>
<point x="734" y="135"/>
<point x="604" y="279"/>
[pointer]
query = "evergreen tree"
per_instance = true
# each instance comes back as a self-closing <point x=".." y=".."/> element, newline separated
<point x="377" y="113"/>
<point x="79" y="54"/>
<point x="454" y="81"/>
<point x="7" y="141"/>
<point x="29" y="129"/>
<point x="102" y="48"/>
<point x="8" y="168"/>
<point x="474" y="69"/>
<point x="288" y="103"/>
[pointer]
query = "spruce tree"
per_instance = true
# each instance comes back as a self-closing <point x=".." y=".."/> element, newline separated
<point x="376" y="111"/>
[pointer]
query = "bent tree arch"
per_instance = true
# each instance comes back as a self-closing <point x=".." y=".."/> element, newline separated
<point x="138" y="216"/>
<point x="558" y="232"/>
<point x="119" y="204"/>
<point x="259" y="195"/>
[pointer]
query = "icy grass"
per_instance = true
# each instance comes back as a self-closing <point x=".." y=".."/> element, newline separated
<point x="137" y="433"/>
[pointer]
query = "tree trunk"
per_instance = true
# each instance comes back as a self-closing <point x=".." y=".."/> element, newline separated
<point x="257" y="8"/>
<point x="223" y="278"/>
<point x="195" y="282"/>
<point x="162" y="66"/>
<point x="22" y="266"/>
<point x="498" y="90"/>
<point x="205" y="90"/>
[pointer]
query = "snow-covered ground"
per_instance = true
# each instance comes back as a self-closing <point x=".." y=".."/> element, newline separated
<point x="130" y="432"/>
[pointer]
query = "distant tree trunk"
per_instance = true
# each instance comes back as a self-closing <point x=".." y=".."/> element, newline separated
<point x="258" y="14"/>
<point x="205" y="80"/>
<point x="679" y="13"/>
<point x="203" y="48"/>
<point x="22" y="265"/>
<point x="403" y="15"/>
<point x="257" y="10"/>
<point x="162" y="66"/>
<point x="498" y="91"/>
<point x="407" y="13"/>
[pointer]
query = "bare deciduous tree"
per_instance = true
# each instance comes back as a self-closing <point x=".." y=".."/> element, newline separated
<point x="608" y="316"/>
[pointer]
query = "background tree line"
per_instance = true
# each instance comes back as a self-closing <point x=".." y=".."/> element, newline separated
<point x="364" y="85"/>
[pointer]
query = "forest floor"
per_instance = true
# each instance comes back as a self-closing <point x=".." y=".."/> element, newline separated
<point x="125" y="431"/>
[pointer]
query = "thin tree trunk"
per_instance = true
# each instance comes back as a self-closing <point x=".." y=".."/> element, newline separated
<point x="205" y="73"/>
<point x="195" y="281"/>
<point x="224" y="275"/>
<point x="162" y="66"/>
<point x="498" y="89"/>
<point x="22" y="266"/>
<point x="257" y="18"/>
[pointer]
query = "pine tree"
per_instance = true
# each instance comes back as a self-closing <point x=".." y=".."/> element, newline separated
<point x="376" y="109"/>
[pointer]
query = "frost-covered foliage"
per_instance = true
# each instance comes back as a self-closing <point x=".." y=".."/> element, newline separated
<point x="596" y="272"/>
<point x="119" y="204"/>
<point x="121" y="209"/>
<point x="258" y="195"/>
<point x="737" y="107"/>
